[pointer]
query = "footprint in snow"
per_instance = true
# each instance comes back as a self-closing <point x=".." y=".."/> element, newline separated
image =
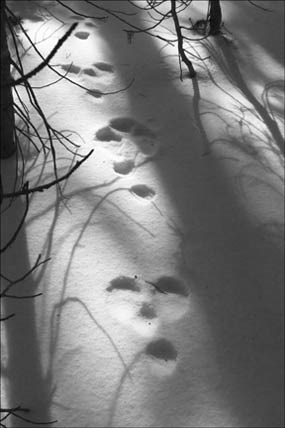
<point x="142" y="192"/>
<point x="71" y="68"/>
<point x="138" y="138"/>
<point x="172" y="302"/>
<point x="124" y="166"/>
<point x="143" y="305"/>
<point x="89" y="71"/>
<point x="123" y="283"/>
<point x="107" y="134"/>
<point x="92" y="72"/>
<point x="82" y="35"/>
<point x="104" y="66"/>
<point x="131" y="306"/>
<point x="162" y="356"/>
<point x="123" y="124"/>
<point x="143" y="136"/>
<point x="172" y="285"/>
<point x="90" y="25"/>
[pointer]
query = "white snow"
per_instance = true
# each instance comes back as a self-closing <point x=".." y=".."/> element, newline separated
<point x="162" y="303"/>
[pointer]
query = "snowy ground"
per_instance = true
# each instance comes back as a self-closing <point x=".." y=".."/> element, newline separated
<point x="162" y="301"/>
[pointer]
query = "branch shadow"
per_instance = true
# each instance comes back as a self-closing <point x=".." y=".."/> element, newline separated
<point x="224" y="56"/>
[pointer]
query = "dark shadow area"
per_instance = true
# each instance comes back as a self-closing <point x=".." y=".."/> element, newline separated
<point x="27" y="384"/>
<point x="232" y="69"/>
<point x="244" y="13"/>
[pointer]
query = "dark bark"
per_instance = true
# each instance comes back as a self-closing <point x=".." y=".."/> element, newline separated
<point x="215" y="17"/>
<point x="7" y="142"/>
<point x="185" y="59"/>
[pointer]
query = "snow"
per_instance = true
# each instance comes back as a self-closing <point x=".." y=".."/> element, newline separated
<point x="162" y="303"/>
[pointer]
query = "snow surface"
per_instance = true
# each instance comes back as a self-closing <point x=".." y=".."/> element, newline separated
<point x="162" y="303"/>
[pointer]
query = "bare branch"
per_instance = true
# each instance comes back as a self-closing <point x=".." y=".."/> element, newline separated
<point x="22" y="278"/>
<point x="50" y="184"/>
<point x="5" y="319"/>
<point x="102" y="18"/>
<point x="129" y="23"/>
<point x="187" y="62"/>
<point x="47" y="59"/>
<point x="31" y="421"/>
<point x="259" y="7"/>
<point x="31" y="296"/>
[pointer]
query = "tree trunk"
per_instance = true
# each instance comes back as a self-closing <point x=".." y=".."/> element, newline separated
<point x="185" y="59"/>
<point x="7" y="143"/>
<point x="215" y="17"/>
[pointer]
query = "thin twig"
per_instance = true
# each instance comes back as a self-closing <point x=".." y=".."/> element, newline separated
<point x="259" y="7"/>
<point x="5" y="319"/>
<point x="47" y="59"/>
<point x="50" y="184"/>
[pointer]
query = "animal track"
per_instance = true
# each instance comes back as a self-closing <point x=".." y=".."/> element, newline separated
<point x="144" y="137"/>
<point x="142" y="191"/>
<point x="71" y="68"/>
<point x="123" y="283"/>
<point x="124" y="166"/>
<point x="90" y="24"/>
<point x="96" y="93"/>
<point x="141" y="139"/>
<point x="172" y="285"/>
<point x="173" y="303"/>
<point x="107" y="134"/>
<point x="163" y="357"/>
<point x="161" y="349"/>
<point x="134" y="303"/>
<point x="123" y="124"/>
<point x="147" y="311"/>
<point x="89" y="71"/>
<point x="128" y="124"/>
<point x="127" y="303"/>
<point x="82" y="35"/>
<point x="104" y="66"/>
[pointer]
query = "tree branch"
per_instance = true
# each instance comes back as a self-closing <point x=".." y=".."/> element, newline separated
<point x="47" y="59"/>
<point x="181" y="50"/>
<point x="50" y="184"/>
<point x="259" y="7"/>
